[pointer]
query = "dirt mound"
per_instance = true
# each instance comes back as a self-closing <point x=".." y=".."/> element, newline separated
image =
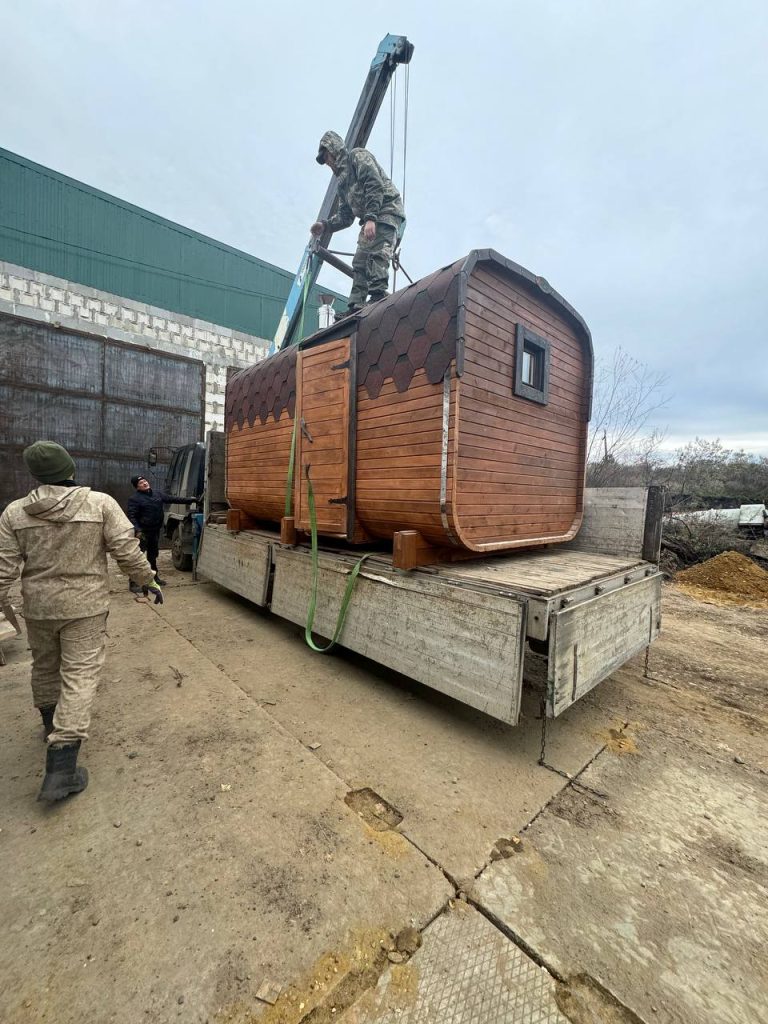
<point x="729" y="572"/>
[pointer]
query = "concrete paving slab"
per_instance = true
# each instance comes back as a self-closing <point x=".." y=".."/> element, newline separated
<point x="460" y="779"/>
<point x="466" y="972"/>
<point x="707" y="683"/>
<point x="659" y="892"/>
<point x="210" y="853"/>
<point x="222" y="861"/>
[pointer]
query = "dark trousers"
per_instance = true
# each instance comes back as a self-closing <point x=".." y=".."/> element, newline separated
<point x="149" y="542"/>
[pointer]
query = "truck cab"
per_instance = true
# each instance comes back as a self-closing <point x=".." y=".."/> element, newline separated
<point x="185" y="478"/>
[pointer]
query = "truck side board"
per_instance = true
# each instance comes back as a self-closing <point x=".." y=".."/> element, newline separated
<point x="465" y="644"/>
<point x="591" y="640"/>
<point x="240" y="562"/>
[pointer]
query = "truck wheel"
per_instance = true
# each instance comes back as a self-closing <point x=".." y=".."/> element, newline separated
<point x="181" y="560"/>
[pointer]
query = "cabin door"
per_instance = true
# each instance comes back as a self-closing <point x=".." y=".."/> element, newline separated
<point x="324" y="443"/>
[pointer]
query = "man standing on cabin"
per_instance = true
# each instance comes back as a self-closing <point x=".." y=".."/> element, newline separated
<point x="59" y="536"/>
<point x="145" y="511"/>
<point x="366" y="192"/>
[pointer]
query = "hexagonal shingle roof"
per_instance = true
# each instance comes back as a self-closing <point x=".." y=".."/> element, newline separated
<point x="416" y="328"/>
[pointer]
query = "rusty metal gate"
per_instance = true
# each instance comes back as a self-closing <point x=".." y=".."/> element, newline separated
<point x="106" y="401"/>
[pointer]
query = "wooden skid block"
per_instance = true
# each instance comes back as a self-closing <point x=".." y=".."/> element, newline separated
<point x="409" y="549"/>
<point x="238" y="520"/>
<point x="288" y="530"/>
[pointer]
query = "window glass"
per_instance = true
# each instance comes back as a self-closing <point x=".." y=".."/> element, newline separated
<point x="531" y="366"/>
<point x="172" y="479"/>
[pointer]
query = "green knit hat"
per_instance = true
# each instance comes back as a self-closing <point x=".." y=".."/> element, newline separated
<point x="48" y="462"/>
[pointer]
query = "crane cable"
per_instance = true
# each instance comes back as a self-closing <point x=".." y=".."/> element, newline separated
<point x="405" y="126"/>
<point x="392" y="124"/>
<point x="396" y="265"/>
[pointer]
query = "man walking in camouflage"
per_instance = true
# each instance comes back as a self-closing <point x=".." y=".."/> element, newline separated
<point x="59" y="536"/>
<point x="366" y="192"/>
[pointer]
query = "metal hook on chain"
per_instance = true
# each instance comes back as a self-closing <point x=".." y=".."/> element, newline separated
<point x="397" y="265"/>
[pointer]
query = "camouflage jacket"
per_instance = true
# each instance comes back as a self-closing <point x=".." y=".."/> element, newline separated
<point x="364" y="190"/>
<point x="59" y="538"/>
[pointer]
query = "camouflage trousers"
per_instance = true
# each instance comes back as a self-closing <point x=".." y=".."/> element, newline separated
<point x="67" y="658"/>
<point x="371" y="265"/>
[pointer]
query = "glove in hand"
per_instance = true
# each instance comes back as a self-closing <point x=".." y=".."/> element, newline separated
<point x="153" y="588"/>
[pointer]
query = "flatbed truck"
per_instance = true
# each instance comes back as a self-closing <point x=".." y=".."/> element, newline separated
<point x="472" y="630"/>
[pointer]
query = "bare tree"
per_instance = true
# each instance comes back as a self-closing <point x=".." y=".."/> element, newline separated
<point x="697" y="473"/>
<point x="647" y="457"/>
<point x="626" y="394"/>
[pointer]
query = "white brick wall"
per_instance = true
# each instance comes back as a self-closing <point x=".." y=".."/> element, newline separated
<point x="37" y="296"/>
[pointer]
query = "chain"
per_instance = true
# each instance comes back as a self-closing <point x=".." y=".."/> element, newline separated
<point x="543" y="714"/>
<point x="558" y="771"/>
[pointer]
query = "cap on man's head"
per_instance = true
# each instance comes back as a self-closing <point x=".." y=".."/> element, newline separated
<point x="48" y="462"/>
<point x="135" y="480"/>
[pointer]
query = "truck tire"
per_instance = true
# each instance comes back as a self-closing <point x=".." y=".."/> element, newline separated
<point x="181" y="560"/>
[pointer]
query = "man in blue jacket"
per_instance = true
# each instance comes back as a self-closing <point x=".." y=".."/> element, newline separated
<point x="145" y="511"/>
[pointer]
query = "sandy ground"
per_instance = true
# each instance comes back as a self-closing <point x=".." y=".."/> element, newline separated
<point x="259" y="815"/>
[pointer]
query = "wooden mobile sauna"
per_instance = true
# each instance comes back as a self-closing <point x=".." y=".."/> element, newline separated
<point x="450" y="418"/>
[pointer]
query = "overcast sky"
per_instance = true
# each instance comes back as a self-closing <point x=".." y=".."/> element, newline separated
<point x="617" y="148"/>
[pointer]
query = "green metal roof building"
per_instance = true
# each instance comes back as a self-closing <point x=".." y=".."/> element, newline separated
<point x="56" y="225"/>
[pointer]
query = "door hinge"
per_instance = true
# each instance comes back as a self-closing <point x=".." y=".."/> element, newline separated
<point x="341" y="366"/>
<point x="338" y="501"/>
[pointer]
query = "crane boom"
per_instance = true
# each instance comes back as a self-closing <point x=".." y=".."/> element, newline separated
<point x="393" y="50"/>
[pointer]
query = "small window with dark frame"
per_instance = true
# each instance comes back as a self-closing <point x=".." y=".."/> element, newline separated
<point x="531" y="366"/>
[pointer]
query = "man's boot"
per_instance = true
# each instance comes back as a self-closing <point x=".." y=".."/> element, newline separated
<point x="134" y="588"/>
<point x="376" y="297"/>
<point x="46" y="714"/>
<point x="62" y="776"/>
<point x="158" y="581"/>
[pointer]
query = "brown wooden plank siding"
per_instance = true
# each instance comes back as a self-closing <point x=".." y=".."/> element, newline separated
<point x="399" y="446"/>
<point x="519" y="465"/>
<point x="257" y="467"/>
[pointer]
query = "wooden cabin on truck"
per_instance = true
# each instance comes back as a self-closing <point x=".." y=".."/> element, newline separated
<point x="443" y="434"/>
<point x="450" y="418"/>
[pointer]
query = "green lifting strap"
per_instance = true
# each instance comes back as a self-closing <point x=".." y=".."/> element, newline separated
<point x="291" y="460"/>
<point x="292" y="456"/>
<point x="315" y="570"/>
